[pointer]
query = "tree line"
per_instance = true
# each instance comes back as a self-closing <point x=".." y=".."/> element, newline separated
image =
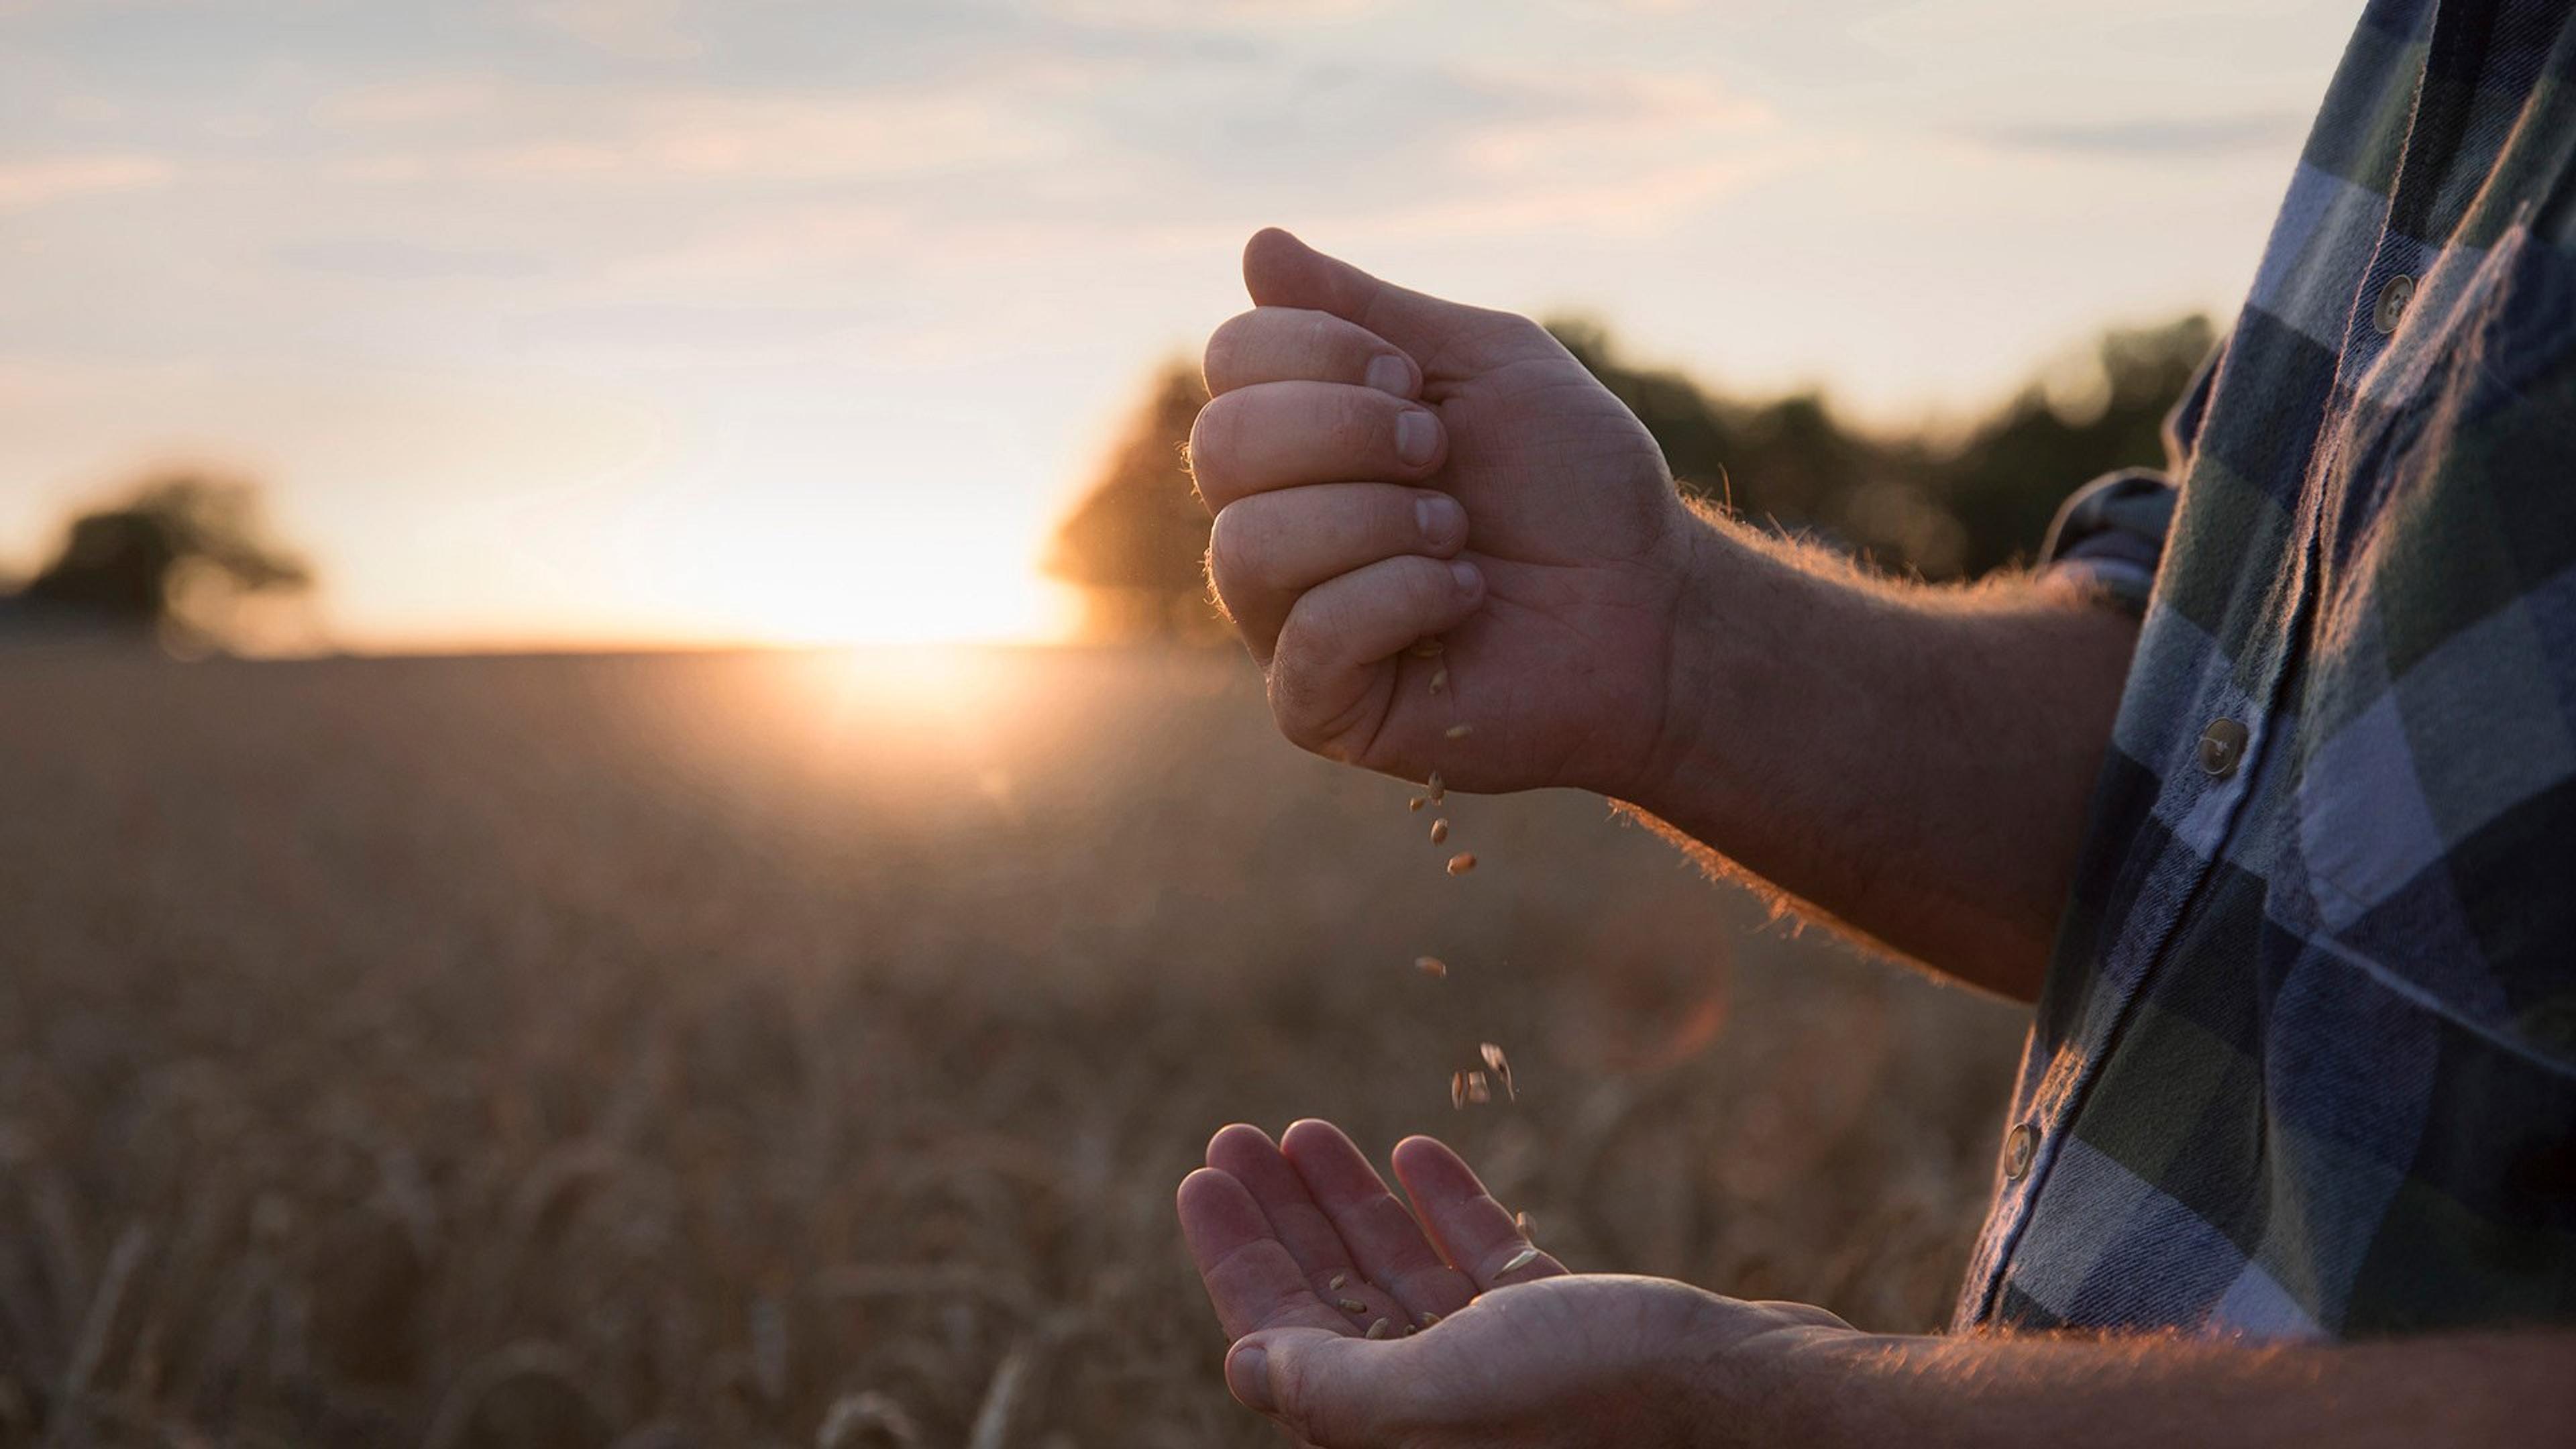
<point x="1935" y="504"/>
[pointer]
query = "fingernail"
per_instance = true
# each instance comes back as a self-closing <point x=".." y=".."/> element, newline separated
<point x="1247" y="1377"/>
<point x="1390" y="373"/>
<point x="1417" y="437"/>
<point x="1468" y="577"/>
<point x="1439" y="517"/>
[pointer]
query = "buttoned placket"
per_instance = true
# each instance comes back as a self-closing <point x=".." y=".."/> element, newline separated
<point x="2228" y="751"/>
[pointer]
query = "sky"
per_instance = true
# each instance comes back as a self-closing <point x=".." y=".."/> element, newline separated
<point x="553" y="323"/>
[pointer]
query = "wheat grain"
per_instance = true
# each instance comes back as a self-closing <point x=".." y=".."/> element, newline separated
<point x="1463" y="862"/>
<point x="1520" y="1260"/>
<point x="1415" y="804"/>
<point x="1501" y="1065"/>
<point x="1439" y="831"/>
<point x="1431" y="966"/>
<point x="1440" y="679"/>
<point x="1429" y="1318"/>
<point x="1350" y="1305"/>
<point x="1477" y="1091"/>
<point x="1457" y="732"/>
<point x="1528" y="1230"/>
<point x="1427" y="649"/>
<point x="1436" y="790"/>
<point x="1377" y="1329"/>
<point x="1336" y="1281"/>
<point x="1457" y="1090"/>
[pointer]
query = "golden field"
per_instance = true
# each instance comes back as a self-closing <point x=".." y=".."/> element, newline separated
<point x="796" y="1049"/>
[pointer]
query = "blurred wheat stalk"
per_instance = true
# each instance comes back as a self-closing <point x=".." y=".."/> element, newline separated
<point x="673" y="1052"/>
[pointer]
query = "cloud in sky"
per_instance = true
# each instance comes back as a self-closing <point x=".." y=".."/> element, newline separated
<point x="831" y="247"/>
<point x="652" y="30"/>
<point x="40" y="179"/>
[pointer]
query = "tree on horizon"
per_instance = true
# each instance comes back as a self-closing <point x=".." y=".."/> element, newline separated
<point x="173" y="560"/>
<point x="1136" y="544"/>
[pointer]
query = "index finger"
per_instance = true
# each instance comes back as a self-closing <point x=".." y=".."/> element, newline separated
<point x="1251" y="1279"/>
<point x="1283" y="344"/>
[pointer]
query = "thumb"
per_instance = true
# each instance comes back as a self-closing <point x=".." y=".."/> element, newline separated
<point x="1281" y="271"/>
<point x="1328" y="1388"/>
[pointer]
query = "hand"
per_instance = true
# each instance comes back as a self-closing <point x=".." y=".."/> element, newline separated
<point x="1385" y="468"/>
<point x="1530" y="1356"/>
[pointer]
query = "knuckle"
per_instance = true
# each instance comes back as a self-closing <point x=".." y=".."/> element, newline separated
<point x="1234" y="549"/>
<point x="1288" y="1390"/>
<point x="1321" y="331"/>
<point x="1292" y="687"/>
<point x="1296" y="701"/>
<point x="1362" y="424"/>
<point x="1215" y="590"/>
<point x="1221" y="364"/>
<point x="1309" y="715"/>
<point x="1427" y="585"/>
<point x="1211" y="446"/>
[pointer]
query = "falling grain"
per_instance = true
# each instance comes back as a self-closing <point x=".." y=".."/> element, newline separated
<point x="1415" y="804"/>
<point x="1528" y="1230"/>
<point x="1440" y="679"/>
<point x="1439" y="831"/>
<point x="1501" y="1067"/>
<point x="1477" y="1091"/>
<point x="1431" y="966"/>
<point x="1458" y="732"/>
<point x="1457" y="1090"/>
<point x="1520" y="1260"/>
<point x="1463" y="862"/>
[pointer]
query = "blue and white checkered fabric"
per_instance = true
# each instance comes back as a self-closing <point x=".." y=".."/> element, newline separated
<point x="2305" y="1063"/>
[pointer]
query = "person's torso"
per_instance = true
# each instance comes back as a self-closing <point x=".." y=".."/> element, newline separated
<point x="2306" y="1060"/>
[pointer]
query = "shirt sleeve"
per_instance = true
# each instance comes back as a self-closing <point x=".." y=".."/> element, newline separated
<point x="2110" y="535"/>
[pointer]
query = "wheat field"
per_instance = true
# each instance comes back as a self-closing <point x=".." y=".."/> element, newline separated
<point x="802" y="1049"/>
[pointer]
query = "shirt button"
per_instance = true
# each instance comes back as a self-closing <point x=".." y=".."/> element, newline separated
<point x="2222" y="745"/>
<point x="2019" y="1147"/>
<point x="2393" y="297"/>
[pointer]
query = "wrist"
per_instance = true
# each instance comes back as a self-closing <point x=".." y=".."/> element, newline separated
<point x="1810" y="1384"/>
<point x="1737" y="611"/>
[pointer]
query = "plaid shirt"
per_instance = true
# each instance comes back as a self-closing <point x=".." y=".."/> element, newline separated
<point x="2305" y="1062"/>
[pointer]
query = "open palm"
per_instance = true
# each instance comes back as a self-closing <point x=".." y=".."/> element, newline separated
<point x="1307" y="1254"/>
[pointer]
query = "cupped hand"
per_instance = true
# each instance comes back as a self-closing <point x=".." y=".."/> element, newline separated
<point x="1361" y="1324"/>
<point x="1388" y="468"/>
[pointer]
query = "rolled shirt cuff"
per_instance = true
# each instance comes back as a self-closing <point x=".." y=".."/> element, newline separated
<point x="2110" y="535"/>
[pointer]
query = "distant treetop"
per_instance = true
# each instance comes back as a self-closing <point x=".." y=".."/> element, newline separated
<point x="1137" y="542"/>
<point x="175" y="558"/>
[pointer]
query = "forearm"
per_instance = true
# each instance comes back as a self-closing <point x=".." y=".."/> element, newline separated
<point x="2047" y="1392"/>
<point x="1912" y="762"/>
